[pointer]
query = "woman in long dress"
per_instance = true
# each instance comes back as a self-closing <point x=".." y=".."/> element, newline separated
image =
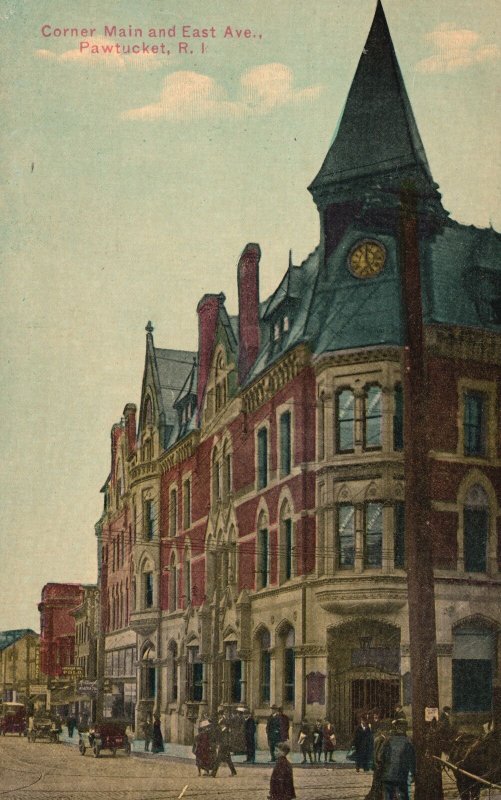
<point x="157" y="740"/>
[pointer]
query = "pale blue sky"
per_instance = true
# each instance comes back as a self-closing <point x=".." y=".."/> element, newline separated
<point x="131" y="185"/>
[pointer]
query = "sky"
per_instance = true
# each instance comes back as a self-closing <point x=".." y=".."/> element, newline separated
<point x="132" y="182"/>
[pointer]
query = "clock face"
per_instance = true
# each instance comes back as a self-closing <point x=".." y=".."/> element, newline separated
<point x="367" y="259"/>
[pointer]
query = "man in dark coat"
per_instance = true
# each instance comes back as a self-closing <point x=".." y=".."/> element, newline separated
<point x="284" y="725"/>
<point x="398" y="761"/>
<point x="363" y="744"/>
<point x="273" y="731"/>
<point x="223" y="738"/>
<point x="282" y="782"/>
<point x="250" y="737"/>
<point x="157" y="740"/>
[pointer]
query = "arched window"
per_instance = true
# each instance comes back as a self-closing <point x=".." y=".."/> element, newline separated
<point x="173" y="598"/>
<point x="346" y="535"/>
<point x="476" y="529"/>
<point x="398" y="418"/>
<point x="216" y="478"/>
<point x="264" y="644"/>
<point x="148" y="411"/>
<point x="148" y="672"/>
<point x="286" y="545"/>
<point x="263" y="553"/>
<point x="473" y="667"/>
<point x="172" y="654"/>
<point x="148" y="588"/>
<point x="227" y="467"/>
<point x="345" y="421"/>
<point x="287" y="640"/>
<point x="372" y="417"/>
<point x="187" y="573"/>
<point x="321" y="426"/>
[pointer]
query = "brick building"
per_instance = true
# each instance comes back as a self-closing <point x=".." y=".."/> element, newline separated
<point x="262" y="497"/>
<point x="57" y="626"/>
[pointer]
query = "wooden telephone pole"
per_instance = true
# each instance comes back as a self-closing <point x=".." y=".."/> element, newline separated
<point x="419" y="545"/>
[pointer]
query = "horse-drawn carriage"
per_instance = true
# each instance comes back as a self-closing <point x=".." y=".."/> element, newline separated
<point x="106" y="735"/>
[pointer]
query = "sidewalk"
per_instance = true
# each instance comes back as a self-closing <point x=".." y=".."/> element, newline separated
<point x="183" y="752"/>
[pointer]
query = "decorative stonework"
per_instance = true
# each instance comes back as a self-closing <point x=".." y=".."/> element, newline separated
<point x="180" y="452"/>
<point x="147" y="470"/>
<point x="468" y="344"/>
<point x="310" y="650"/>
<point x="367" y="355"/>
<point x="278" y="376"/>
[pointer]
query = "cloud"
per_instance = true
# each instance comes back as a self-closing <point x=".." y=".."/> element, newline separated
<point x="107" y="57"/>
<point x="456" y="49"/>
<point x="190" y="95"/>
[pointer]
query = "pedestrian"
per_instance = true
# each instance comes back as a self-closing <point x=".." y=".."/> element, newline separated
<point x="203" y="748"/>
<point x="362" y="743"/>
<point x="273" y="731"/>
<point x="305" y="741"/>
<point x="147" y="732"/>
<point x="250" y="737"/>
<point x="317" y="742"/>
<point x="444" y="731"/>
<point x="328" y="741"/>
<point x="284" y="725"/>
<point x="381" y="737"/>
<point x="398" y="762"/>
<point x="223" y="737"/>
<point x="72" y="722"/>
<point x="157" y="740"/>
<point x="282" y="781"/>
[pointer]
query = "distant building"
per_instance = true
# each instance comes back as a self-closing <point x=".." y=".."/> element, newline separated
<point x="253" y="540"/>
<point x="19" y="665"/>
<point x="57" y="626"/>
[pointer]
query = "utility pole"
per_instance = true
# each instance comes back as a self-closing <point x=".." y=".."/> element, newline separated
<point x="419" y="550"/>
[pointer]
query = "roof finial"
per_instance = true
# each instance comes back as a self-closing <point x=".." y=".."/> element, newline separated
<point x="290" y="259"/>
<point x="149" y="328"/>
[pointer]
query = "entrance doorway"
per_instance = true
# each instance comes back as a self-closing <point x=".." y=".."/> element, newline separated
<point x="355" y="693"/>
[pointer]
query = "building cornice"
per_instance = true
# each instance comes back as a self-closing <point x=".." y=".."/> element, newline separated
<point x="275" y="378"/>
<point x="467" y="344"/>
<point x="357" y="356"/>
<point x="179" y="452"/>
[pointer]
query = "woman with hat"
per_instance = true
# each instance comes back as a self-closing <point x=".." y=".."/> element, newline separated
<point x="282" y="782"/>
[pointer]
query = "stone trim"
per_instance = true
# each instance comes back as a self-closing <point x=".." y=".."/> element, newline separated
<point x="363" y="356"/>
<point x="275" y="378"/>
<point x="179" y="452"/>
<point x="468" y="344"/>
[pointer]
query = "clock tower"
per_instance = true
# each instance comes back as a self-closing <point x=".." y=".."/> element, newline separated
<point x="376" y="153"/>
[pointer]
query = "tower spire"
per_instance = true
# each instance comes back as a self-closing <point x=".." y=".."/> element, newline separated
<point x="377" y="142"/>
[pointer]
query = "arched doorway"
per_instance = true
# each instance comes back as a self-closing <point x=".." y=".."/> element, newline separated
<point x="364" y="672"/>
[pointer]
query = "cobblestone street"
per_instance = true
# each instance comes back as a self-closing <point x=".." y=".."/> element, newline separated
<point x="44" y="771"/>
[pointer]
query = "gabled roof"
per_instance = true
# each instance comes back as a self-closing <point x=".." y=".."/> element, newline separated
<point x="173" y="366"/>
<point x="377" y="136"/>
<point x="10" y="637"/>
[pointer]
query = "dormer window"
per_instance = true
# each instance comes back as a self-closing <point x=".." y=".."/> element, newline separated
<point x="276" y="331"/>
<point x="148" y="411"/>
<point x="281" y="326"/>
<point x="286" y="324"/>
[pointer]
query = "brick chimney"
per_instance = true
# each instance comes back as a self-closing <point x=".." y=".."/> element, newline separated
<point x="208" y="312"/>
<point x="248" y="308"/>
<point x="129" y="415"/>
<point x="116" y="432"/>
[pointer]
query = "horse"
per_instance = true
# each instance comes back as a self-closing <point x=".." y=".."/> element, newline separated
<point x="478" y="755"/>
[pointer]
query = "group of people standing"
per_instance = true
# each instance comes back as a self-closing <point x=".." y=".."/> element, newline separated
<point x="212" y="747"/>
<point x="317" y="739"/>
<point x="152" y="734"/>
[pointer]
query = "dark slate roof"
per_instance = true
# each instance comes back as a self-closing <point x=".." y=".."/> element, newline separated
<point x="377" y="134"/>
<point x="465" y="277"/>
<point x="173" y="366"/>
<point x="294" y="296"/>
<point x="9" y="637"/>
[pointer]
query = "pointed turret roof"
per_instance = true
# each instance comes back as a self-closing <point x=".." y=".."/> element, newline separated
<point x="377" y="142"/>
